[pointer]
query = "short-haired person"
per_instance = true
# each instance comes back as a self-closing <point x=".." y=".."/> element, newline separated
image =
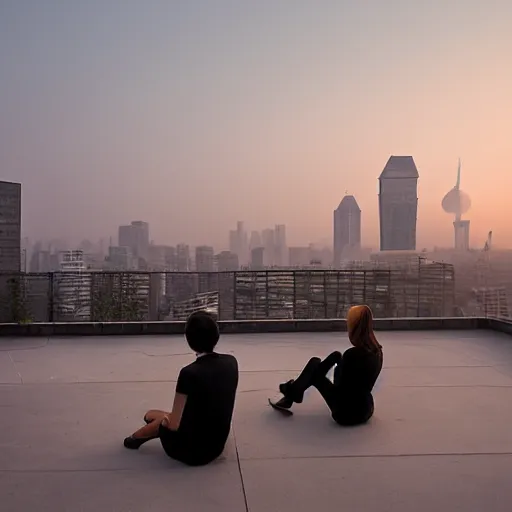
<point x="196" y="430"/>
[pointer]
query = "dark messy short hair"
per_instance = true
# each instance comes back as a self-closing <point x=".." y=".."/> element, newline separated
<point x="202" y="332"/>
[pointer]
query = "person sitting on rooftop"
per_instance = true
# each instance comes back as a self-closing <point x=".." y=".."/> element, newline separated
<point x="196" y="430"/>
<point x="349" y="397"/>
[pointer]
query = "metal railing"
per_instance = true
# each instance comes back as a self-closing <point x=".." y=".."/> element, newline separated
<point x="421" y="291"/>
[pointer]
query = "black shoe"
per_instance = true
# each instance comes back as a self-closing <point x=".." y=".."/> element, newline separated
<point x="285" y="387"/>
<point x="284" y="403"/>
<point x="133" y="443"/>
<point x="287" y="390"/>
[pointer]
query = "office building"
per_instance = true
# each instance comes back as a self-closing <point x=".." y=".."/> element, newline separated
<point x="136" y="237"/>
<point x="10" y="227"/>
<point x="347" y="231"/>
<point x="204" y="258"/>
<point x="398" y="204"/>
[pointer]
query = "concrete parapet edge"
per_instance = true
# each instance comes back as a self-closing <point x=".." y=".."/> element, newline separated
<point x="500" y="325"/>
<point x="246" y="326"/>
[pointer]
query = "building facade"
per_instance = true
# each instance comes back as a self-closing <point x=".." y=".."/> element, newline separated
<point x="280" y="249"/>
<point x="10" y="227"/>
<point x="398" y="204"/>
<point x="204" y="258"/>
<point x="136" y="237"/>
<point x="347" y="230"/>
<point x="227" y="262"/>
<point x="72" y="285"/>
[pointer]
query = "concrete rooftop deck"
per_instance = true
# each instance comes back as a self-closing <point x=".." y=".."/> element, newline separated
<point x="440" y="439"/>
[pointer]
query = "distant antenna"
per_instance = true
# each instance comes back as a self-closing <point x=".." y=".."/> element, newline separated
<point x="457" y="185"/>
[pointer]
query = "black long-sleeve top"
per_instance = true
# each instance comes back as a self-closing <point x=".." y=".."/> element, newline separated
<point x="354" y="379"/>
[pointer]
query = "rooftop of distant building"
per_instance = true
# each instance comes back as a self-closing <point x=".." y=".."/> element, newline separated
<point x="440" y="438"/>
<point x="400" y="167"/>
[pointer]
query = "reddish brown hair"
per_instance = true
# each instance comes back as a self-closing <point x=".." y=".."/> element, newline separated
<point x="360" y="328"/>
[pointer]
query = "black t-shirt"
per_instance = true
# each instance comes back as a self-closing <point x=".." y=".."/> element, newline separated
<point x="210" y="383"/>
<point x="355" y="378"/>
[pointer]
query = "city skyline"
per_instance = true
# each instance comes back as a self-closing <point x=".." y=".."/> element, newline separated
<point x="258" y="111"/>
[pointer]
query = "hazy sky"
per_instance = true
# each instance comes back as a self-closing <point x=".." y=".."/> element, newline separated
<point x="194" y="114"/>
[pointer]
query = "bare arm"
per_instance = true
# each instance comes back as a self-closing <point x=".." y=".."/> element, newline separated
<point x="173" y="419"/>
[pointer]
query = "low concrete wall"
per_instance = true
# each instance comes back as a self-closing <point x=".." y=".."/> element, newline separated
<point x="500" y="325"/>
<point x="237" y="327"/>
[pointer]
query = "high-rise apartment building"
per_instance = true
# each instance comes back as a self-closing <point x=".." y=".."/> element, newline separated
<point x="398" y="204"/>
<point x="10" y="226"/>
<point x="280" y="249"/>
<point x="347" y="230"/>
<point x="136" y="237"/>
<point x="204" y="258"/>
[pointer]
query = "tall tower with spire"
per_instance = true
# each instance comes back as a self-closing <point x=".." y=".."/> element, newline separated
<point x="457" y="203"/>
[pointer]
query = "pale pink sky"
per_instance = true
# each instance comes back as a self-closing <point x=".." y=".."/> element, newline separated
<point x="193" y="115"/>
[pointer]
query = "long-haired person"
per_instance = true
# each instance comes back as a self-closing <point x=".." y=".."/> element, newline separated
<point x="349" y="396"/>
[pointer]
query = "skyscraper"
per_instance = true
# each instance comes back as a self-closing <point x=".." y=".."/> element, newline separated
<point x="136" y="237"/>
<point x="10" y="226"/>
<point x="347" y="230"/>
<point x="238" y="243"/>
<point x="398" y="204"/>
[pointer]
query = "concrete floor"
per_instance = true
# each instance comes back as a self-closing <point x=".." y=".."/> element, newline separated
<point x="440" y="438"/>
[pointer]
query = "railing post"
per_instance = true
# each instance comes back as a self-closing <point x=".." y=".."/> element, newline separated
<point x="325" y="294"/>
<point x="294" y="305"/>
<point x="235" y="306"/>
<point x="51" y="297"/>
<point x="364" y="285"/>
<point x="418" y="309"/>
<point x="443" y="306"/>
<point x="390" y="303"/>
<point x="267" y="310"/>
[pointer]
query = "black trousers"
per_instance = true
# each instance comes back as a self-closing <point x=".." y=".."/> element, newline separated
<point x="314" y="374"/>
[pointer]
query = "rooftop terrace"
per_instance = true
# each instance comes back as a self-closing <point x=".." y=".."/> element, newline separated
<point x="440" y="438"/>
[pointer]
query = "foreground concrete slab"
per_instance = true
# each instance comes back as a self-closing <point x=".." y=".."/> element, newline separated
<point x="440" y="437"/>
<point x="390" y="484"/>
